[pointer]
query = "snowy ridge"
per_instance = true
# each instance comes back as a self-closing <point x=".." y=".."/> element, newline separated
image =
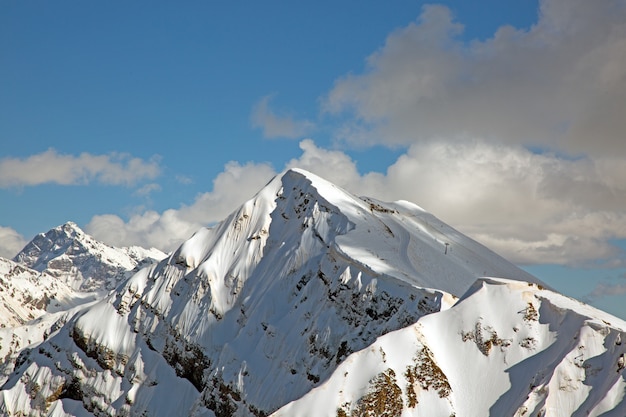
<point x="506" y="348"/>
<point x="304" y="294"/>
<point x="85" y="264"/>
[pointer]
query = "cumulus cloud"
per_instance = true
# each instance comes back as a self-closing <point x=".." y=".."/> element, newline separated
<point x="166" y="230"/>
<point x="163" y="230"/>
<point x="278" y="126"/>
<point x="469" y="111"/>
<point x="11" y="242"/>
<point x="560" y="84"/>
<point x="52" y="167"/>
<point x="531" y="208"/>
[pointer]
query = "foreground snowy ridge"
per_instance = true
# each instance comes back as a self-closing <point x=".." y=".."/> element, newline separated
<point x="310" y="301"/>
<point x="505" y="349"/>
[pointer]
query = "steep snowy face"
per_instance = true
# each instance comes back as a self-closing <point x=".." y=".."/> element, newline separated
<point x="251" y="314"/>
<point x="85" y="264"/>
<point x="506" y="348"/>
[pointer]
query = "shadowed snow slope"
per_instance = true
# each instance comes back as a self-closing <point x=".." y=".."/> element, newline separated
<point x="266" y="306"/>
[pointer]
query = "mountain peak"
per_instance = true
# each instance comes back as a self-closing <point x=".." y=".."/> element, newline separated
<point x="70" y="226"/>
<point x="404" y="240"/>
<point x="75" y="257"/>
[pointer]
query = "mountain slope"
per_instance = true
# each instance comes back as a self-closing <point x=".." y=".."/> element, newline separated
<point x="506" y="348"/>
<point x="26" y="294"/>
<point x="76" y="258"/>
<point x="34" y="302"/>
<point x="255" y="312"/>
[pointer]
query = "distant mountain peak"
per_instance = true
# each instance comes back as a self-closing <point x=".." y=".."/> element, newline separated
<point x="81" y="261"/>
<point x="70" y="224"/>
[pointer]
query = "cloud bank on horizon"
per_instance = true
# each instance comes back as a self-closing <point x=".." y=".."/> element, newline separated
<point x="517" y="140"/>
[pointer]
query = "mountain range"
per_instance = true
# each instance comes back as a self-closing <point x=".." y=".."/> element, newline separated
<point x="305" y="301"/>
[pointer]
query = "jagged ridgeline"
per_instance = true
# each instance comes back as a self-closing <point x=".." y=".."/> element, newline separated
<point x="80" y="261"/>
<point x="309" y="301"/>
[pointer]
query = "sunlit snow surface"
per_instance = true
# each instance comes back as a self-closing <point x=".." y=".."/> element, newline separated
<point x="311" y="301"/>
<point x="506" y="348"/>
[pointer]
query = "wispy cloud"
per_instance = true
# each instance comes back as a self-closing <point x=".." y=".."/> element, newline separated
<point x="278" y="126"/>
<point x="184" y="180"/>
<point x="52" y="167"/>
<point x="147" y="189"/>
<point x="605" y="289"/>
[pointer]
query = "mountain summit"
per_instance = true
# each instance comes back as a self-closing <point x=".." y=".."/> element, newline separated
<point x="308" y="300"/>
<point x="79" y="260"/>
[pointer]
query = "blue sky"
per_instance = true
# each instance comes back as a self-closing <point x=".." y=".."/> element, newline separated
<point x="142" y="121"/>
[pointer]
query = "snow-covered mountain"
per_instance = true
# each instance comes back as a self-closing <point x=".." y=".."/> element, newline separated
<point x="69" y="270"/>
<point x="310" y="301"/>
<point x="71" y="255"/>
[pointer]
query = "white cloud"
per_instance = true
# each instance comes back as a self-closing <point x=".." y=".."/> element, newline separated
<point x="236" y="184"/>
<point x="52" y="167"/>
<point x="11" y="242"/>
<point x="333" y="165"/>
<point x="182" y="179"/>
<point x="530" y="208"/>
<point x="147" y="189"/>
<point x="560" y="84"/>
<point x="606" y="289"/>
<point x="278" y="126"/>
<point x="148" y="229"/>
